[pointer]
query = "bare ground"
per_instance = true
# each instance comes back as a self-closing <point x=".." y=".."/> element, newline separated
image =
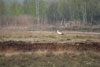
<point x="46" y="40"/>
<point x="27" y="46"/>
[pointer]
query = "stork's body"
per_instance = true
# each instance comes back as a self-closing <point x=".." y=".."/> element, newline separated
<point x="60" y="33"/>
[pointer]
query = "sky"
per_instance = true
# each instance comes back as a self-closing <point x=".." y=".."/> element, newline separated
<point x="17" y="0"/>
<point x="23" y="0"/>
<point x="20" y="0"/>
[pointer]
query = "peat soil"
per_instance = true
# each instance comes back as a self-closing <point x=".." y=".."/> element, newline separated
<point x="28" y="46"/>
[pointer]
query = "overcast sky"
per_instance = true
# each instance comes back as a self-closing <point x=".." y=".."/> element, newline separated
<point x="23" y="0"/>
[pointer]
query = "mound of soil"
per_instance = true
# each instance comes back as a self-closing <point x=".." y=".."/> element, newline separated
<point x="27" y="46"/>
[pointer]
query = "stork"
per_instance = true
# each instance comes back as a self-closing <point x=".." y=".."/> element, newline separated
<point x="60" y="33"/>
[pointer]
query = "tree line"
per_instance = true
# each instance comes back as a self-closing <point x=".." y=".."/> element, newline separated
<point x="85" y="11"/>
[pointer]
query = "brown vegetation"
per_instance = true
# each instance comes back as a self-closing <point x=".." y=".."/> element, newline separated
<point x="27" y="46"/>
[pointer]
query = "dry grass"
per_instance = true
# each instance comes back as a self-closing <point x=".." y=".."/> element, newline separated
<point x="47" y="36"/>
<point x="42" y="33"/>
<point x="59" y="59"/>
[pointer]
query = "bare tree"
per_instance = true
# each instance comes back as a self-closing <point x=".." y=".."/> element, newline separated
<point x="37" y="11"/>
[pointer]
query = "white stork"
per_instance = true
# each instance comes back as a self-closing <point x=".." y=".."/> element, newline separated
<point x="60" y="33"/>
